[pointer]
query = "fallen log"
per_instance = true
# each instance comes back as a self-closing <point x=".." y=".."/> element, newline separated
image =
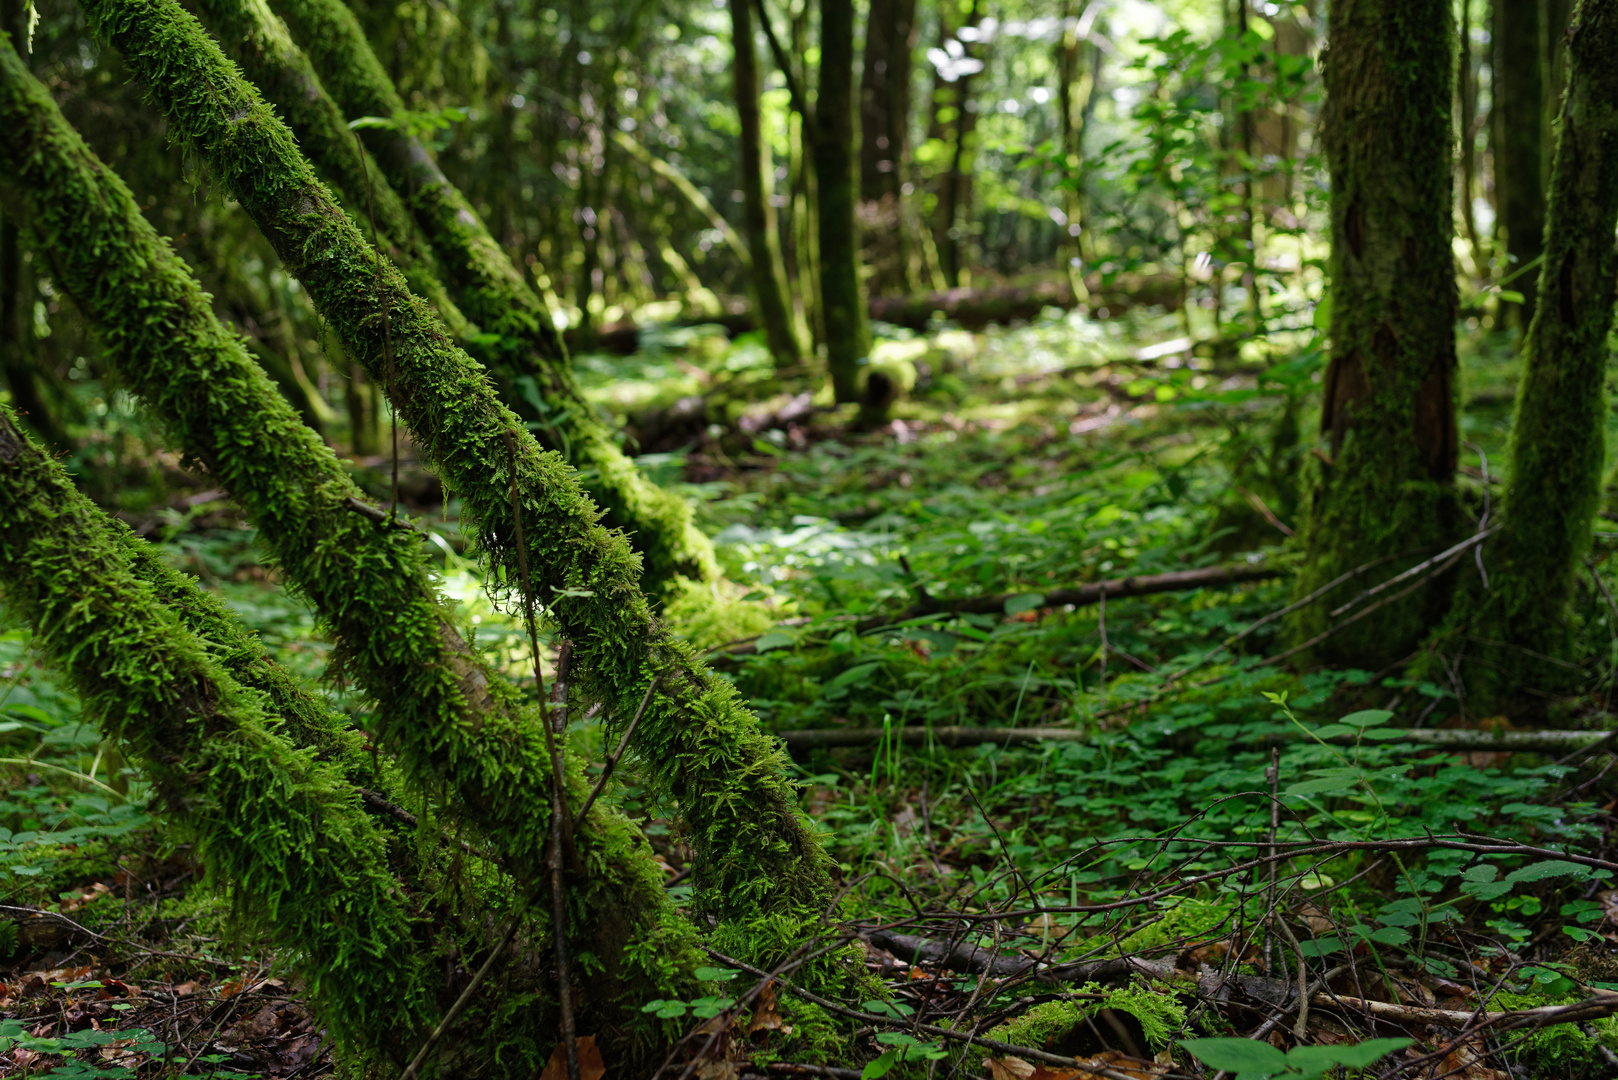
<point x="1216" y="986"/>
<point x="1458" y="740"/>
<point x="972" y="309"/>
<point x="1029" y="600"/>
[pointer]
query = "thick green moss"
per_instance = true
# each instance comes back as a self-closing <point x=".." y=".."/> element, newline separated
<point x="698" y="741"/>
<point x="279" y="68"/>
<point x="272" y="823"/>
<point x="528" y="361"/>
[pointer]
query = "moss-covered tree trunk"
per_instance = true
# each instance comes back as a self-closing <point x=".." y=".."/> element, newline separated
<point x="263" y="46"/>
<point x="526" y="358"/>
<point x="841" y="300"/>
<point x="263" y="815"/>
<point x="698" y="742"/>
<point x="1519" y="144"/>
<point x="768" y="280"/>
<point x="1388" y="408"/>
<point x="455" y="727"/>
<point x="1558" y="440"/>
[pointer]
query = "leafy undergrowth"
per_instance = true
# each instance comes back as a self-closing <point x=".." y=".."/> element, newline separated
<point x="1218" y="827"/>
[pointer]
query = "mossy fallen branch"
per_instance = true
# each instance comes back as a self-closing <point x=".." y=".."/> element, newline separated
<point x="269" y="820"/>
<point x="698" y="742"/>
<point x="456" y="727"/>
<point x="528" y="360"/>
<point x="265" y="49"/>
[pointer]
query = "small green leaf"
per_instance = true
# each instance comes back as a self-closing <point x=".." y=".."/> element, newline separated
<point x="1511" y="296"/>
<point x="1237" y="1055"/>
<point x="1389" y="935"/>
<point x="1550" y="868"/>
<point x="1016" y="605"/>
<point x="881" y="1066"/>
<point x="1360" y="1055"/>
<point x="853" y="676"/>
<point x="1321" y="319"/>
<point x="717" y="974"/>
<point x="774" y="640"/>
<point x="1367" y="718"/>
<point x="1326" y="785"/>
<point x="1321" y="946"/>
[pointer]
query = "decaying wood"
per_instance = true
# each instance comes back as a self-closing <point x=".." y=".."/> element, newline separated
<point x="1538" y="742"/>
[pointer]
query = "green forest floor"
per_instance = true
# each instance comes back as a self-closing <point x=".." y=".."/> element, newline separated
<point x="1025" y="460"/>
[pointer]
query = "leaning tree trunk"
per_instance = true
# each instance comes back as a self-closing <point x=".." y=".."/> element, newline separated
<point x="768" y="278"/>
<point x="1558" y="432"/>
<point x="451" y="721"/>
<point x="1388" y="409"/>
<point x="262" y="815"/>
<point x="1519" y="145"/>
<point x="527" y="357"/>
<point x="698" y="742"/>
<point x="264" y="48"/>
<point x="847" y="335"/>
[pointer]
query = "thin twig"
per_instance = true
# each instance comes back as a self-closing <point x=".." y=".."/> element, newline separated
<point x="1476" y="538"/>
<point x="463" y="1001"/>
<point x="1026" y="1052"/>
<point x="612" y="762"/>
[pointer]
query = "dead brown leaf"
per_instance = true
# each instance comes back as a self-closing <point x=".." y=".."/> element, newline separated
<point x="94" y="892"/>
<point x="1117" y="1061"/>
<point x="765" y="1016"/>
<point x="1009" y="1068"/>
<point x="591" y="1067"/>
<point x="1317" y="920"/>
<point x="1468" y="1061"/>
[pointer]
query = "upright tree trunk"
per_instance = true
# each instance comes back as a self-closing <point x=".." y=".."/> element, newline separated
<point x="955" y="186"/>
<point x="16" y="333"/>
<point x="700" y="745"/>
<point x="890" y="39"/>
<point x="527" y="358"/>
<point x="841" y="300"/>
<point x="1075" y="81"/>
<point x="1519" y="145"/>
<point x="1248" y="165"/>
<point x="1466" y="93"/>
<point x="1388" y="408"/>
<point x="1558" y="442"/>
<point x="768" y="277"/>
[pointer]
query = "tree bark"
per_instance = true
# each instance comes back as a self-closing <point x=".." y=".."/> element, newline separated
<point x="527" y="358"/>
<point x="699" y="744"/>
<point x="842" y="305"/>
<point x="15" y="332"/>
<point x="768" y="277"/>
<point x="1519" y="145"/>
<point x="1075" y="81"/>
<point x="263" y="816"/>
<point x="1558" y="443"/>
<point x="955" y="187"/>
<point x="1388" y="409"/>
<point x="890" y="39"/>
